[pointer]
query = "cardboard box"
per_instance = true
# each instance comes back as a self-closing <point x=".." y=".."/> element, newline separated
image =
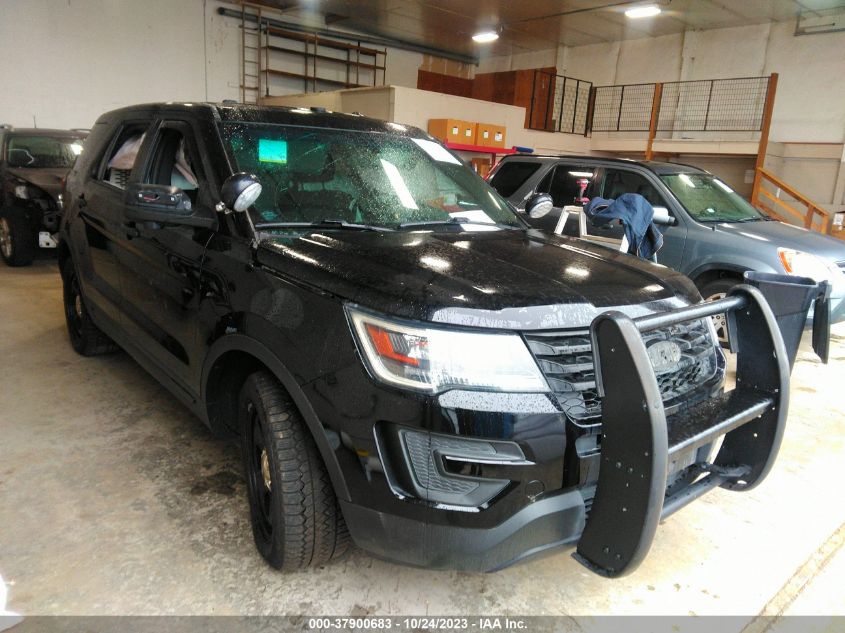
<point x="452" y="130"/>
<point x="490" y="135"/>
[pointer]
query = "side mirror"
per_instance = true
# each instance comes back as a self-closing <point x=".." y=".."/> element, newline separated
<point x="162" y="204"/>
<point x="538" y="205"/>
<point x="240" y="191"/>
<point x="662" y="217"/>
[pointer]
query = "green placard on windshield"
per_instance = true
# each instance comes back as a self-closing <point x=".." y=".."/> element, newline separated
<point x="272" y="151"/>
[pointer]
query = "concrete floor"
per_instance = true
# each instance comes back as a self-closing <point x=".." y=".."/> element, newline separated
<point x="115" y="500"/>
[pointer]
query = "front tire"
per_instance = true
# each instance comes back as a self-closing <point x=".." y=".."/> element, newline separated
<point x="18" y="243"/>
<point x="296" y="520"/>
<point x="85" y="337"/>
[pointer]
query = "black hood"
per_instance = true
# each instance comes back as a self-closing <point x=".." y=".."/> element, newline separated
<point x="499" y="279"/>
<point x="47" y="179"/>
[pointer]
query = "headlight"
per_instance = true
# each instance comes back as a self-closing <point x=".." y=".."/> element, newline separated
<point x="807" y="265"/>
<point x="433" y="359"/>
<point x="22" y="192"/>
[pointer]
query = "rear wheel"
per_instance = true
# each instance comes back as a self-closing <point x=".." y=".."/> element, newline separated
<point x="718" y="289"/>
<point x="296" y="520"/>
<point x="18" y="243"/>
<point x="85" y="337"/>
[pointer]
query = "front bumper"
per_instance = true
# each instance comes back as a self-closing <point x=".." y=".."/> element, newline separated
<point x="614" y="528"/>
<point x="554" y="521"/>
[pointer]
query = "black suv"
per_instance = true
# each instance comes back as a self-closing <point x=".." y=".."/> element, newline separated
<point x="33" y="163"/>
<point x="399" y="355"/>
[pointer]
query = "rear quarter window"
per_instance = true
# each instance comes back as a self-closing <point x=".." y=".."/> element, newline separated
<point x="511" y="176"/>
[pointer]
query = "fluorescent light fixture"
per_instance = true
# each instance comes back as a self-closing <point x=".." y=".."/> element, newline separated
<point x="485" y="36"/>
<point x="581" y="174"/>
<point x="646" y="11"/>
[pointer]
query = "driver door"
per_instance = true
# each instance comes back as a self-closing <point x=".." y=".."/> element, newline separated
<point x="618" y="181"/>
<point x="162" y="267"/>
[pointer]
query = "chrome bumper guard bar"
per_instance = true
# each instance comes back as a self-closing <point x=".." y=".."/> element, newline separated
<point x="638" y="438"/>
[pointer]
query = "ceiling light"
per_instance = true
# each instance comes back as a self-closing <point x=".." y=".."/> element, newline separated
<point x="485" y="36"/>
<point x="646" y="11"/>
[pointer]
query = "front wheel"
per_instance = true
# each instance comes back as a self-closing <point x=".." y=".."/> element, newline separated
<point x="296" y="520"/>
<point x="718" y="289"/>
<point x="18" y="243"/>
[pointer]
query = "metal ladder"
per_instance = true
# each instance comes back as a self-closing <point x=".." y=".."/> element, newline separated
<point x="251" y="66"/>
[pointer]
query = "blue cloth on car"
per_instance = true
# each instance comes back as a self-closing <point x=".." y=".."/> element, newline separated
<point x="636" y="214"/>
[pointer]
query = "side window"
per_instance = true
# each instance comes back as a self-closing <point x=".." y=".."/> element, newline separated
<point x="172" y="162"/>
<point x="122" y="156"/>
<point x="620" y="181"/>
<point x="511" y="175"/>
<point x="568" y="184"/>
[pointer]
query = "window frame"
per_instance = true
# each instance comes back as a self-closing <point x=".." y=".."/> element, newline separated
<point x="569" y="166"/>
<point x="101" y="164"/>
<point x="148" y="152"/>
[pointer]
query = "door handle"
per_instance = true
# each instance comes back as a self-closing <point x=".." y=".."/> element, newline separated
<point x="82" y="202"/>
<point x="131" y="231"/>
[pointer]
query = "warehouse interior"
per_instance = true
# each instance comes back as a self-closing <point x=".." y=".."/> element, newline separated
<point x="115" y="499"/>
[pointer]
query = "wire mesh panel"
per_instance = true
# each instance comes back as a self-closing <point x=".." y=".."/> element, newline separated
<point x="714" y="105"/>
<point x="559" y="103"/>
<point x="572" y="98"/>
<point x="623" y="108"/>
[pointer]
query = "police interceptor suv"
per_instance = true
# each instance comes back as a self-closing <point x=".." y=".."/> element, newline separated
<point x="402" y="359"/>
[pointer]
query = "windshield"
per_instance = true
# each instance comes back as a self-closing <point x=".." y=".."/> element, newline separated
<point x="43" y="151"/>
<point x="362" y="178"/>
<point x="708" y="199"/>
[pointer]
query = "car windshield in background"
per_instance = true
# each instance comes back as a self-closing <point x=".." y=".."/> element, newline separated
<point x="708" y="199"/>
<point x="43" y="151"/>
<point x="365" y="179"/>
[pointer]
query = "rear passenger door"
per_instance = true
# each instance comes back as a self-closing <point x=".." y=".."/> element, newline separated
<point x="161" y="275"/>
<point x="616" y="181"/>
<point x="569" y="184"/>
<point x="101" y="229"/>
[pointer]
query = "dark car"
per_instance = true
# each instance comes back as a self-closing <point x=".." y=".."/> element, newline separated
<point x="398" y="354"/>
<point x="713" y="236"/>
<point x="33" y="163"/>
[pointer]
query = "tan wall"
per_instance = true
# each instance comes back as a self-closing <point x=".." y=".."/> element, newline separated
<point x="816" y="169"/>
<point x="415" y="107"/>
<point x="327" y="100"/>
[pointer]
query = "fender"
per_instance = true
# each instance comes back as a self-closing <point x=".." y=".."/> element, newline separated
<point x="249" y="345"/>
<point x="736" y="267"/>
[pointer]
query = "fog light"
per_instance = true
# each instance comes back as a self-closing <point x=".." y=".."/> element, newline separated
<point x="445" y="469"/>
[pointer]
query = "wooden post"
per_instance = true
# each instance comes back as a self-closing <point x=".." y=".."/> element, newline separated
<point x="591" y="107"/>
<point x="652" y="125"/>
<point x="768" y="108"/>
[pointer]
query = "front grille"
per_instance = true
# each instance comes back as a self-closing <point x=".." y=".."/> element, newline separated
<point x="566" y="359"/>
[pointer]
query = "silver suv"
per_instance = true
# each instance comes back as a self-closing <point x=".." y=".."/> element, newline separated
<point x="713" y="234"/>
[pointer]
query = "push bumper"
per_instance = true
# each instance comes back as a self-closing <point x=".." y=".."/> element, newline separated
<point x="638" y="439"/>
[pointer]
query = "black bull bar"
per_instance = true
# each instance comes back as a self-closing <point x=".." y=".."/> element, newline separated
<point x="639" y="439"/>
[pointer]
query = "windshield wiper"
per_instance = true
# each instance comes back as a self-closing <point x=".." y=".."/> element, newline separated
<point x="458" y="220"/>
<point x="760" y="219"/>
<point x="327" y="223"/>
